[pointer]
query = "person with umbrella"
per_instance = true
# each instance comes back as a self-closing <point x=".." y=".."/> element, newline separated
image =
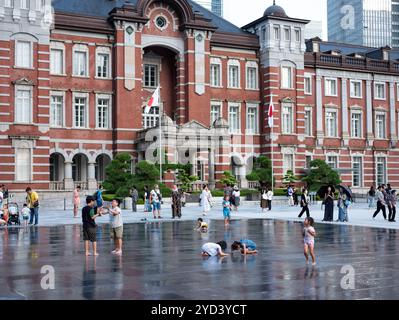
<point x="328" y="203"/>
<point x="343" y="203"/>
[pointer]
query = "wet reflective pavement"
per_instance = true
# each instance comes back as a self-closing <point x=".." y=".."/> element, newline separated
<point x="162" y="261"/>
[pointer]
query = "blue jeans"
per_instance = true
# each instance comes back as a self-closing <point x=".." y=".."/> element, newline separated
<point x="34" y="212"/>
<point x="342" y="214"/>
<point x="371" y="201"/>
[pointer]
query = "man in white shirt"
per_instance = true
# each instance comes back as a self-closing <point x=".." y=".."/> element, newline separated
<point x="115" y="218"/>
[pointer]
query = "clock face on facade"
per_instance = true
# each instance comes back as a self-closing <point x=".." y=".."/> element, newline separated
<point x="199" y="37"/>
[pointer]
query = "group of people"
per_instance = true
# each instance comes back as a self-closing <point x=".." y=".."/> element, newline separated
<point x="386" y="197"/>
<point x="344" y="201"/>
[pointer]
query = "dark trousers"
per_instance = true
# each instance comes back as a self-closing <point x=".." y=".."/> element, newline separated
<point x="34" y="213"/>
<point x="269" y="204"/>
<point x="134" y="206"/>
<point x="176" y="210"/>
<point x="305" y="209"/>
<point x="380" y="207"/>
<point x="392" y="213"/>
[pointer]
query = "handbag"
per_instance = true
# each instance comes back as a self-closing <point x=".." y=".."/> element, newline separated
<point x="36" y="204"/>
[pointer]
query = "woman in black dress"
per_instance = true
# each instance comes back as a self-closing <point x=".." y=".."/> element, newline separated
<point x="329" y="205"/>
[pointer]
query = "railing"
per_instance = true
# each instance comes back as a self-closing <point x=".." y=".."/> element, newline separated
<point x="57" y="186"/>
<point x="253" y="185"/>
<point x="83" y="185"/>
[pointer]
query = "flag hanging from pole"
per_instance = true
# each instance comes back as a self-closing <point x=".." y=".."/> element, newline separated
<point x="153" y="102"/>
<point x="271" y="113"/>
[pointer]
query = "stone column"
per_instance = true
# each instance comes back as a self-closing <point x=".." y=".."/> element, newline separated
<point x="1" y="9"/>
<point x="242" y="175"/>
<point x="16" y="13"/>
<point x="68" y="181"/>
<point x="91" y="177"/>
<point x="369" y="113"/>
<point x="392" y="116"/>
<point x="32" y="10"/>
<point x="345" y="124"/>
<point x="211" y="170"/>
<point x="319" y="111"/>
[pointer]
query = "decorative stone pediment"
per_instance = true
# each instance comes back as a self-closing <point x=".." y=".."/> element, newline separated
<point x="287" y="100"/>
<point x="23" y="82"/>
<point x="194" y="125"/>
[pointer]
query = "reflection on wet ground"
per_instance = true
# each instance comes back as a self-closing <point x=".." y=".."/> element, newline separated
<point x="162" y="261"/>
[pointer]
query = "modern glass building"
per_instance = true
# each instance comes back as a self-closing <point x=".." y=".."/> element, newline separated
<point x="373" y="23"/>
<point x="216" y="6"/>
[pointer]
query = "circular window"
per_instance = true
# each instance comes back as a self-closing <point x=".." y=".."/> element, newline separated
<point x="161" y="22"/>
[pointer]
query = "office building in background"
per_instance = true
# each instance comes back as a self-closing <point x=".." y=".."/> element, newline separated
<point x="216" y="6"/>
<point x="314" y="29"/>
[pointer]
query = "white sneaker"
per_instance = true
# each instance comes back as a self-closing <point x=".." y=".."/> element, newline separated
<point x="114" y="251"/>
<point x="118" y="253"/>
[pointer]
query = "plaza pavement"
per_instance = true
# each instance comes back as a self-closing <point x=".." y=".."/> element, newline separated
<point x="359" y="215"/>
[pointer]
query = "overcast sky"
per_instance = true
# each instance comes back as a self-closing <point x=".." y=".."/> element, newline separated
<point x="241" y="12"/>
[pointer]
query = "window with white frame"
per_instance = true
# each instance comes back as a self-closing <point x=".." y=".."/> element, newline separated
<point x="234" y="74"/>
<point x="332" y="161"/>
<point x="252" y="119"/>
<point x="216" y="111"/>
<point x="263" y="34"/>
<point x="80" y="63"/>
<point x="9" y="3"/>
<point x="103" y="63"/>
<point x="308" y="160"/>
<point x="380" y="91"/>
<point x="286" y="77"/>
<point x="23" y="104"/>
<point x="276" y="31"/>
<point x="80" y="103"/>
<point x="380" y="126"/>
<point x="216" y="73"/>
<point x="330" y="87"/>
<point x="151" y="119"/>
<point x="56" y="110"/>
<point x="308" y="122"/>
<point x="356" y="89"/>
<point x="287" y="34"/>
<point x="252" y="75"/>
<point x="308" y="84"/>
<point x="381" y="170"/>
<point x="234" y="118"/>
<point x="287" y="118"/>
<point x="297" y="35"/>
<point x="23" y="54"/>
<point x="24" y="4"/>
<point x="151" y="75"/>
<point x="331" y="123"/>
<point x="288" y="162"/>
<point x="200" y="170"/>
<point x="356" y="124"/>
<point x="103" y="112"/>
<point x="57" y="61"/>
<point x="40" y="4"/>
<point x="357" y="175"/>
<point x="23" y="164"/>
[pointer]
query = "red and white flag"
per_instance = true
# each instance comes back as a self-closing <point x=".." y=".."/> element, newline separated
<point x="153" y="102"/>
<point x="271" y="113"/>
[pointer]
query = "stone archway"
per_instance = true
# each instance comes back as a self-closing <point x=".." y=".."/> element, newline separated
<point x="102" y="161"/>
<point x="57" y="171"/>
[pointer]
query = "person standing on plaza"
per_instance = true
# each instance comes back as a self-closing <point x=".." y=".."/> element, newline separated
<point x="290" y="194"/>
<point x="393" y="199"/>
<point x="135" y="197"/>
<point x="387" y="194"/>
<point x="155" y="200"/>
<point x="176" y="203"/>
<point x="206" y="198"/>
<point x="33" y="204"/>
<point x="226" y="210"/>
<point x="99" y="196"/>
<point x="147" y="205"/>
<point x="270" y="196"/>
<point x="342" y="206"/>
<point x="305" y="203"/>
<point x="309" y="233"/>
<point x="371" y="197"/>
<point x="329" y="205"/>
<point x="264" y="198"/>
<point x="76" y="201"/>
<point x="295" y="196"/>
<point x="236" y="198"/>
<point x="116" y="224"/>
<point x="228" y="190"/>
<point x="89" y="214"/>
<point x="1" y="196"/>
<point x="380" y="203"/>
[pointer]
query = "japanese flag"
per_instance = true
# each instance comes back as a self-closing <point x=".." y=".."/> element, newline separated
<point x="271" y="113"/>
<point x="153" y="102"/>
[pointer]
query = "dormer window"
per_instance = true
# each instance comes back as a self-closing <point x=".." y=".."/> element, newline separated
<point x="276" y="33"/>
<point x="385" y="55"/>
<point x="316" y="47"/>
<point x="335" y="53"/>
<point x="359" y="56"/>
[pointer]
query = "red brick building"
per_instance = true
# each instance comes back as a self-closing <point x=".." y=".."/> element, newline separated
<point x="72" y="95"/>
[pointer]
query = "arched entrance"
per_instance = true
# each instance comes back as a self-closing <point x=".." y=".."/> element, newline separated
<point x="80" y="170"/>
<point x="102" y="161"/>
<point x="57" y="171"/>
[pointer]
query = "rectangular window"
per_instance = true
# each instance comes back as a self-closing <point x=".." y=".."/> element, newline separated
<point x="234" y="119"/>
<point x="380" y="91"/>
<point x="23" y="54"/>
<point x="200" y="170"/>
<point x="356" y="125"/>
<point x="286" y="77"/>
<point x="287" y="119"/>
<point x="356" y="89"/>
<point x="308" y="84"/>
<point x="79" y="112"/>
<point x="276" y="33"/>
<point x="308" y="123"/>
<point x="357" y="176"/>
<point x="23" y="164"/>
<point x="331" y="87"/>
<point x="40" y="4"/>
<point x="80" y="63"/>
<point x="252" y="120"/>
<point x="103" y="109"/>
<point x="308" y="160"/>
<point x="24" y="4"/>
<point x="103" y="64"/>
<point x="380" y="125"/>
<point x="381" y="170"/>
<point x="150" y="75"/>
<point x="215" y="75"/>
<point x="56" y="111"/>
<point x="151" y="119"/>
<point x="23" y="106"/>
<point x="263" y="37"/>
<point x="297" y="35"/>
<point x="331" y="124"/>
<point x="287" y="34"/>
<point x="216" y="113"/>
<point x="56" y="61"/>
<point x="9" y="3"/>
<point x="332" y="161"/>
<point x="234" y="77"/>
<point x="288" y="163"/>
<point x="252" y="76"/>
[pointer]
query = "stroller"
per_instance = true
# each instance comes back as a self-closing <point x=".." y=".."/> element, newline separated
<point x="13" y="211"/>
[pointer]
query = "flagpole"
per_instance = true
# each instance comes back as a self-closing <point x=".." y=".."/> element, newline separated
<point x="160" y="137"/>
<point x="272" y="152"/>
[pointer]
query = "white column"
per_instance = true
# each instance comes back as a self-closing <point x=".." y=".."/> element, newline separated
<point x="16" y="13"/>
<point x="1" y="9"/>
<point x="369" y="113"/>
<point x="319" y="110"/>
<point x="211" y="168"/>
<point x="392" y="110"/>
<point x="242" y="174"/>
<point x="32" y="10"/>
<point x="345" y="124"/>
<point x="91" y="177"/>
<point x="68" y="181"/>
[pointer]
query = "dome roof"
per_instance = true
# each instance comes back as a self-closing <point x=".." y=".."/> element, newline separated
<point x="276" y="11"/>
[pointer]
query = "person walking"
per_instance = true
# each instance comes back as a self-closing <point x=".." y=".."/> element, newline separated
<point x="380" y="203"/>
<point x="290" y="194"/>
<point x="269" y="195"/>
<point x="236" y="198"/>
<point x="263" y="199"/>
<point x="176" y="203"/>
<point x="206" y="200"/>
<point x="99" y="196"/>
<point x="76" y="201"/>
<point x="33" y="204"/>
<point x="135" y="197"/>
<point x="393" y="199"/>
<point x="305" y="203"/>
<point x="329" y="205"/>
<point x="155" y="200"/>
<point x="387" y="194"/>
<point x="371" y="197"/>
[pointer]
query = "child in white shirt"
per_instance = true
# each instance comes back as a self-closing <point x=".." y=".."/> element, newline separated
<point x="25" y="214"/>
